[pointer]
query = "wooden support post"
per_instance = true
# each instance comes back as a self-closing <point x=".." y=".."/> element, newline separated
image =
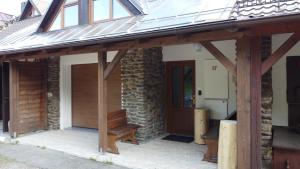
<point x="13" y="99"/>
<point x="249" y="102"/>
<point x="280" y="52"/>
<point x="102" y="101"/>
<point x="110" y="68"/>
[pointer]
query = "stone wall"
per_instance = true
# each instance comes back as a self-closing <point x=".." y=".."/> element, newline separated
<point x="53" y="93"/>
<point x="266" y="109"/>
<point x="142" y="73"/>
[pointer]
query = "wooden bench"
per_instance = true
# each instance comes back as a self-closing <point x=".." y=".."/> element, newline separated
<point x="119" y="129"/>
<point x="212" y="140"/>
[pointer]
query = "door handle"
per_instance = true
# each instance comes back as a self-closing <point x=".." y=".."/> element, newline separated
<point x="194" y="99"/>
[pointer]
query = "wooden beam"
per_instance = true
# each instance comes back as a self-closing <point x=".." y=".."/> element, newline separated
<point x="280" y="52"/>
<point x="267" y="29"/>
<point x="110" y="68"/>
<point x="220" y="57"/>
<point x="13" y="98"/>
<point x="248" y="103"/>
<point x="131" y="44"/>
<point x="102" y="101"/>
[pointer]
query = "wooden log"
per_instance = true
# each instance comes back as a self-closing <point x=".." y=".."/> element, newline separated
<point x="227" y="154"/>
<point x="201" y="124"/>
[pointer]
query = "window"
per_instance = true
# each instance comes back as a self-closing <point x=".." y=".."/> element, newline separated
<point x="69" y="16"/>
<point x="57" y="23"/>
<point x="108" y="10"/>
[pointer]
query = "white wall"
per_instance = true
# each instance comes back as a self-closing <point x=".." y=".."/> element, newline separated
<point x="188" y="52"/>
<point x="280" y="105"/>
<point x="65" y="83"/>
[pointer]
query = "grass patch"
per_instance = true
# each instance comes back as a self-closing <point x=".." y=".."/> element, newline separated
<point x="92" y="159"/>
<point x="41" y="147"/>
<point x="108" y="162"/>
<point x="16" y="142"/>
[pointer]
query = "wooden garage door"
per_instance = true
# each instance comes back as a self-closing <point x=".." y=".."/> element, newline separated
<point x="28" y="92"/>
<point x="85" y="94"/>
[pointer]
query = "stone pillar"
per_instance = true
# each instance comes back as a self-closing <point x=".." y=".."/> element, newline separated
<point x="53" y="93"/>
<point x="267" y="101"/>
<point x="142" y="74"/>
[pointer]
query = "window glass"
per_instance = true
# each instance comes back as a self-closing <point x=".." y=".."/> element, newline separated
<point x="176" y="72"/>
<point x="101" y="9"/>
<point x="70" y="1"/>
<point x="188" y="87"/>
<point x="57" y="23"/>
<point x="119" y="10"/>
<point x="71" y="16"/>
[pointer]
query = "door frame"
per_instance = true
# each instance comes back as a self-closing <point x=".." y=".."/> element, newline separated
<point x="169" y="65"/>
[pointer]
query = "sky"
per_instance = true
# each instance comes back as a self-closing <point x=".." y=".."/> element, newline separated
<point x="12" y="7"/>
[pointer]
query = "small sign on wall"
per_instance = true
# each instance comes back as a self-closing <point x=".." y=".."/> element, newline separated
<point x="215" y="80"/>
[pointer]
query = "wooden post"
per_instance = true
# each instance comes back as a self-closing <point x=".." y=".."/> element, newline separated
<point x="13" y="99"/>
<point x="102" y="101"/>
<point x="249" y="102"/>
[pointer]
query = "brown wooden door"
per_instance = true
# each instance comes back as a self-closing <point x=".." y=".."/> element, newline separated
<point x="85" y="94"/>
<point x="28" y="89"/>
<point x="180" y="96"/>
<point x="293" y="90"/>
<point x="5" y="95"/>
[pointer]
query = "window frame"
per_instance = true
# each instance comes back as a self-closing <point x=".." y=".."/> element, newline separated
<point x="111" y="17"/>
<point x="62" y="14"/>
<point x="63" y="8"/>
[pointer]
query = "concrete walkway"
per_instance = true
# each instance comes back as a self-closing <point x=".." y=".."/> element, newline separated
<point x="30" y="157"/>
<point x="155" y="154"/>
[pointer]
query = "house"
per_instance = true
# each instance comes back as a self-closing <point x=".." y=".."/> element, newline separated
<point x="159" y="60"/>
<point x="5" y="18"/>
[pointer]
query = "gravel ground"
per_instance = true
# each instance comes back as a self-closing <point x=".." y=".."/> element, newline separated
<point x="15" y="156"/>
<point x="6" y="163"/>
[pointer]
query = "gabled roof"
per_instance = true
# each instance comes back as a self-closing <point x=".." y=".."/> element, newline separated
<point x="5" y="17"/>
<point x="54" y="9"/>
<point x="29" y="6"/>
<point x="42" y="5"/>
<point x="162" y="17"/>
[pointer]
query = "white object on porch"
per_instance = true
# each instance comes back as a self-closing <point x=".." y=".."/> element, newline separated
<point x="156" y="154"/>
<point x="227" y="154"/>
<point x="201" y="124"/>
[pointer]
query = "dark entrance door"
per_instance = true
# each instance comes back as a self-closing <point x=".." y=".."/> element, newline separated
<point x="4" y="96"/>
<point x="181" y="97"/>
<point x="293" y="90"/>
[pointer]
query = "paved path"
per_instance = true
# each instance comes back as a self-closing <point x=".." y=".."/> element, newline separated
<point x="30" y="157"/>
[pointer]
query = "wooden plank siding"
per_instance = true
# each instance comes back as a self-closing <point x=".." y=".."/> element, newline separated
<point x="85" y="95"/>
<point x="28" y="90"/>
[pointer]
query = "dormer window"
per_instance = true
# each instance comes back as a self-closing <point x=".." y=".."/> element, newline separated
<point x="68" y="16"/>
<point x="70" y="13"/>
<point x="102" y="10"/>
<point x="80" y="12"/>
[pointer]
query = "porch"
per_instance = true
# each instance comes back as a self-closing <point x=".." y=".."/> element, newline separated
<point x="156" y="153"/>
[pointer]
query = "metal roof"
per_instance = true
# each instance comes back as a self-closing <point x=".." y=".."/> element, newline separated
<point x="5" y="17"/>
<point x="161" y="15"/>
<point x="261" y="8"/>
